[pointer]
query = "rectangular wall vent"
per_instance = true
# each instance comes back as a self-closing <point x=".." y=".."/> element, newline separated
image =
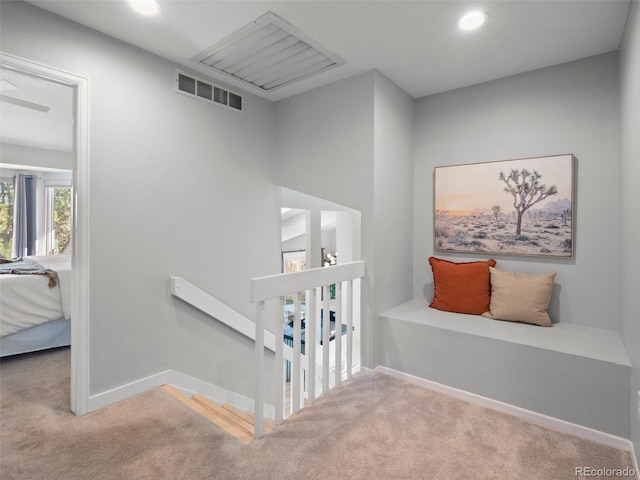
<point x="268" y="53"/>
<point x="192" y="86"/>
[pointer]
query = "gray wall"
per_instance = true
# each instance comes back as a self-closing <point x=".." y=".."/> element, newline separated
<point x="360" y="130"/>
<point x="569" y="108"/>
<point x="393" y="198"/>
<point x="177" y="187"/>
<point x="324" y="142"/>
<point x="629" y="200"/>
<point x="324" y="147"/>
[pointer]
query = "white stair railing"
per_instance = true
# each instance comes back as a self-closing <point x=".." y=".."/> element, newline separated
<point x="303" y="370"/>
<point x="188" y="292"/>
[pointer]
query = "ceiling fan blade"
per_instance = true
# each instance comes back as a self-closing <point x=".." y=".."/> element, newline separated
<point x="24" y="103"/>
<point x="7" y="85"/>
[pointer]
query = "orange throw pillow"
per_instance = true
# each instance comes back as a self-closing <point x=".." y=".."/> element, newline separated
<point x="461" y="287"/>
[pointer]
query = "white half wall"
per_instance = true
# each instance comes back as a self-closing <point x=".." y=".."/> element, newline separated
<point x="569" y="108"/>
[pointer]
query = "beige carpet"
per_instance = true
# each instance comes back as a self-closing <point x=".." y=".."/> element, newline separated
<point x="373" y="428"/>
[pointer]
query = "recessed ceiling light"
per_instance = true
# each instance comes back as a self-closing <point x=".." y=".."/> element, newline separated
<point x="472" y="20"/>
<point x="146" y="7"/>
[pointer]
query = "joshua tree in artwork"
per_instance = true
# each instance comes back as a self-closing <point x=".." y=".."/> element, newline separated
<point x="526" y="189"/>
<point x="496" y="212"/>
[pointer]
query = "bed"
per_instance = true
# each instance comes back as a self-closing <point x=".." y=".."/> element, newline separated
<point x="33" y="316"/>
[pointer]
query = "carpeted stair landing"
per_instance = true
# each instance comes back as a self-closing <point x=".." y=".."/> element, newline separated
<point x="373" y="427"/>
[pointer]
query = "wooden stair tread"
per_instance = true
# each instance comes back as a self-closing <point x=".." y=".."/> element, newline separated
<point x="248" y="416"/>
<point x="269" y="423"/>
<point x="227" y="414"/>
<point x="230" y="427"/>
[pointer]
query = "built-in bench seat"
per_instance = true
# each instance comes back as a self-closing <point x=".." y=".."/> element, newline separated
<point x="575" y="373"/>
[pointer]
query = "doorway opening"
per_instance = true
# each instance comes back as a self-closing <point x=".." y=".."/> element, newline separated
<point x="77" y="196"/>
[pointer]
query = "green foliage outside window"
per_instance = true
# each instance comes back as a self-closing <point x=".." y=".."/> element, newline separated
<point x="62" y="217"/>
<point x="6" y="218"/>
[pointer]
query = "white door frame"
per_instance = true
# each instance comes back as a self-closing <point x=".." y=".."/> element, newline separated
<point x="80" y="228"/>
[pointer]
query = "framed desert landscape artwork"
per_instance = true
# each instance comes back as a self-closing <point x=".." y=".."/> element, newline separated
<point x="510" y="207"/>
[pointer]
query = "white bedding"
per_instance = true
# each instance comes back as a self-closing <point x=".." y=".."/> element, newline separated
<point x="27" y="301"/>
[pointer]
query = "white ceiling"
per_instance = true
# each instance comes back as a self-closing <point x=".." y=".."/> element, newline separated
<point x="52" y="130"/>
<point x="414" y="43"/>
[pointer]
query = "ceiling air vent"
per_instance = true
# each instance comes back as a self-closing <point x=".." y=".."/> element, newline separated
<point x="195" y="87"/>
<point x="268" y="54"/>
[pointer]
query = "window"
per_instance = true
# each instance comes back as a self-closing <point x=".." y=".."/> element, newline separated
<point x="58" y="219"/>
<point x="6" y="216"/>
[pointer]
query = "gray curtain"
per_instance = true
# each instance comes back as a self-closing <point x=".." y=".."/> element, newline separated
<point x="24" y="216"/>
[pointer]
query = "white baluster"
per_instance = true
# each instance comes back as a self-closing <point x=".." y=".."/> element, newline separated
<point x="279" y="371"/>
<point x="349" y="328"/>
<point x="259" y="401"/>
<point x="326" y="327"/>
<point x="338" y="334"/>
<point x="310" y="344"/>
<point x="295" y="366"/>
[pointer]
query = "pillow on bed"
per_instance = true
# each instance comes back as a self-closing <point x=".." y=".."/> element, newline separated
<point x="520" y="297"/>
<point x="461" y="287"/>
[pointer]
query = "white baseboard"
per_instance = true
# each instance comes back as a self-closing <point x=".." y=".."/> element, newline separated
<point x="128" y="390"/>
<point x="531" y="416"/>
<point x="369" y="371"/>
<point x="190" y="385"/>
<point x="185" y="383"/>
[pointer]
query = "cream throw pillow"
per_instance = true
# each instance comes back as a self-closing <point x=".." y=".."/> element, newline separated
<point x="520" y="297"/>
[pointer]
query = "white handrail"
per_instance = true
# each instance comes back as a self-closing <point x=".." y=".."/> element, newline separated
<point x="277" y="287"/>
<point x="187" y="291"/>
<point x="213" y="307"/>
<point x="273" y="286"/>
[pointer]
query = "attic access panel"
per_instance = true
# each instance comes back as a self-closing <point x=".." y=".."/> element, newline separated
<point x="268" y="54"/>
